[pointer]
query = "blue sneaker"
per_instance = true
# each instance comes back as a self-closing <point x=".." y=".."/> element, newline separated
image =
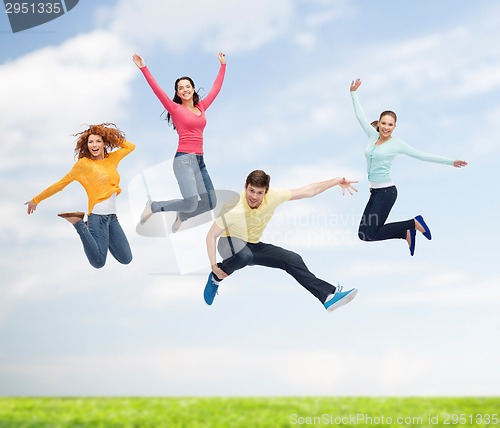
<point x="427" y="231"/>
<point x="210" y="290"/>
<point x="413" y="238"/>
<point x="340" y="298"/>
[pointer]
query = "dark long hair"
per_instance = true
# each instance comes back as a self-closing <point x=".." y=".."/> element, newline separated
<point x="176" y="98"/>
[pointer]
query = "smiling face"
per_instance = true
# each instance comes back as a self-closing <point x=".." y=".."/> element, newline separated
<point x="96" y="147"/>
<point x="386" y="125"/>
<point x="185" y="90"/>
<point x="254" y="195"/>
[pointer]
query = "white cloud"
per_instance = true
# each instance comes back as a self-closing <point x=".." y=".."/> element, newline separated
<point x="306" y="40"/>
<point x="165" y="291"/>
<point x="446" y="279"/>
<point x="235" y="26"/>
<point x="455" y="64"/>
<point x="378" y="268"/>
<point x="480" y="293"/>
<point x="240" y="370"/>
<point x="50" y="93"/>
<point x="216" y="25"/>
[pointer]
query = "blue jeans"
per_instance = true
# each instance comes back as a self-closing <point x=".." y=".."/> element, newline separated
<point x="194" y="181"/>
<point x="237" y="254"/>
<point x="372" y="226"/>
<point x="100" y="234"/>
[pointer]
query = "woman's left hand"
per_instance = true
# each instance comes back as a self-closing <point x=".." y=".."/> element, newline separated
<point x="459" y="164"/>
<point x="222" y="58"/>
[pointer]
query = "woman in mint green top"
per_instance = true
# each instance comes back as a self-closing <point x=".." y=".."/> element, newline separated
<point x="380" y="152"/>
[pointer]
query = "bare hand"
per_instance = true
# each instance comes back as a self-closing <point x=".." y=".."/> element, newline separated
<point x="31" y="206"/>
<point x="219" y="273"/>
<point x="459" y="164"/>
<point x="222" y="57"/>
<point x="355" y="85"/>
<point x="347" y="185"/>
<point x="139" y="61"/>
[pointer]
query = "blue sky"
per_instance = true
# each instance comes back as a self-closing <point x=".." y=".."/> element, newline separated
<point x="422" y="325"/>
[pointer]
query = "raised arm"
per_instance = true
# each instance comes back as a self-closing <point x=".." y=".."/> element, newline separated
<point x="139" y="61"/>
<point x="370" y="131"/>
<point x="314" y="189"/>
<point x="158" y="91"/>
<point x="216" y="87"/>
<point x="126" y="147"/>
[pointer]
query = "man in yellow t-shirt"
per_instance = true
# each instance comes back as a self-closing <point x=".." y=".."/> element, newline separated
<point x="240" y="226"/>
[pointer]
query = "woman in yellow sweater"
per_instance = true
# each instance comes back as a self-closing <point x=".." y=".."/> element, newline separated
<point x="96" y="171"/>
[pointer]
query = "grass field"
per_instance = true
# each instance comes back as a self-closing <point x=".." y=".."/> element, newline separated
<point x="248" y="412"/>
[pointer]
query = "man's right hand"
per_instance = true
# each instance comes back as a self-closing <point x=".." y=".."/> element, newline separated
<point x="218" y="272"/>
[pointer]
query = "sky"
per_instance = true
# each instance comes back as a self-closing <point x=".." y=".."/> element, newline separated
<point x="422" y="325"/>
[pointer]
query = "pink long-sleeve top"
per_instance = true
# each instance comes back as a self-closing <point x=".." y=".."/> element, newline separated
<point x="189" y="126"/>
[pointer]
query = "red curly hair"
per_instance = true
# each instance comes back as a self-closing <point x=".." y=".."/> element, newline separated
<point x="110" y="134"/>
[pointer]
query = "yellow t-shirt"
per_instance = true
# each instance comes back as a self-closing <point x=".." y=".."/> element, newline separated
<point x="240" y="221"/>
<point x="99" y="178"/>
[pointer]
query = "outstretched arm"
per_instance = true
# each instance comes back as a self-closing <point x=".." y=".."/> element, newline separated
<point x="48" y="192"/>
<point x="212" y="236"/>
<point x="314" y="189"/>
<point x="31" y="207"/>
<point x="406" y="149"/>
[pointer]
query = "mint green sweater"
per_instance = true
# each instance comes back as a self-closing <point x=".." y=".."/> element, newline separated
<point x="379" y="158"/>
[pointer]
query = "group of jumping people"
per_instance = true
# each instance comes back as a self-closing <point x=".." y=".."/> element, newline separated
<point x="237" y="230"/>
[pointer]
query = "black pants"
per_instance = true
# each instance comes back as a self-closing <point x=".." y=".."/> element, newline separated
<point x="373" y="227"/>
<point x="237" y="254"/>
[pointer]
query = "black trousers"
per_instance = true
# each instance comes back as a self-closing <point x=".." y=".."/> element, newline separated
<point x="237" y="254"/>
<point x="373" y="225"/>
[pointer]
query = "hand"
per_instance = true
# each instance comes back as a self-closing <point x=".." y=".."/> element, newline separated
<point x="138" y="60"/>
<point x="222" y="57"/>
<point x="459" y="164"/>
<point x="31" y="206"/>
<point x="347" y="185"/>
<point x="355" y="85"/>
<point x="219" y="273"/>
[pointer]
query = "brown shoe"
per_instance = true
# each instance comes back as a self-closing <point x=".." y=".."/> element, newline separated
<point x="78" y="214"/>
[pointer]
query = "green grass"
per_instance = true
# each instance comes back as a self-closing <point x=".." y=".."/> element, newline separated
<point x="248" y="412"/>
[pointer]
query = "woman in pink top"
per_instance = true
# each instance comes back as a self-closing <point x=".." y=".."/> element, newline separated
<point x="187" y="114"/>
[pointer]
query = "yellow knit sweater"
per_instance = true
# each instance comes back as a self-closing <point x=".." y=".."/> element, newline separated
<point x="99" y="178"/>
